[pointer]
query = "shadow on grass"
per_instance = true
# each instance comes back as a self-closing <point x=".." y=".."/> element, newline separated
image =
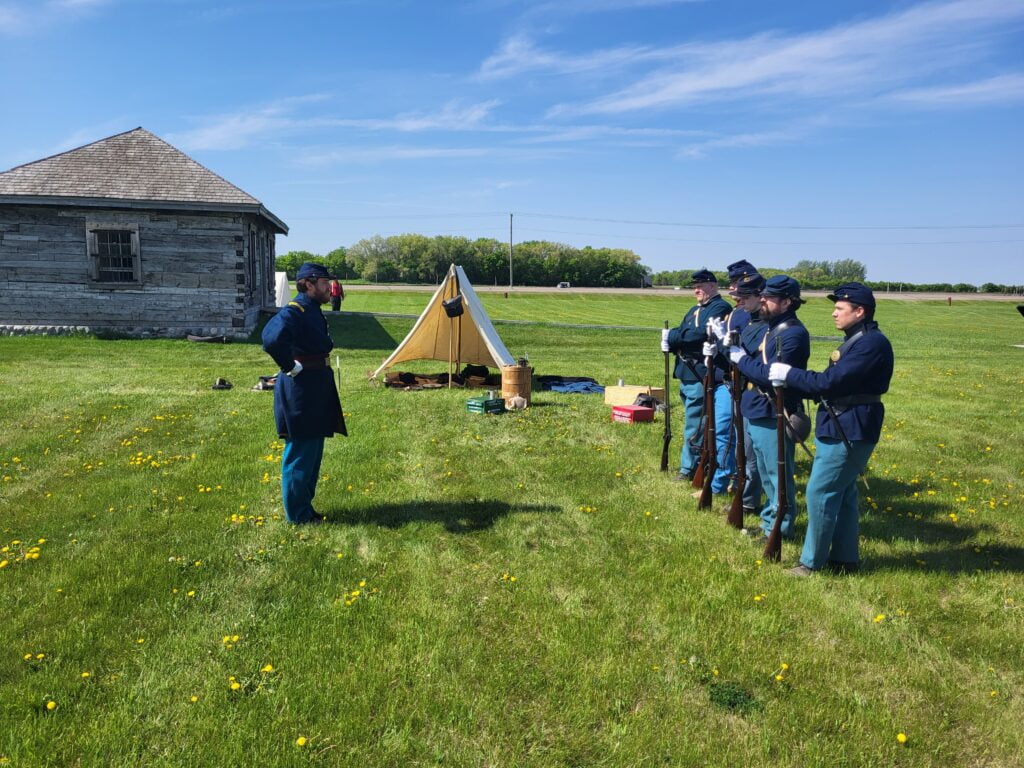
<point x="456" y="516"/>
<point x="359" y="332"/>
<point x="920" y="520"/>
<point x="347" y="331"/>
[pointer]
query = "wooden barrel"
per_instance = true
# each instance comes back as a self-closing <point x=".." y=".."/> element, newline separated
<point x="516" y="381"/>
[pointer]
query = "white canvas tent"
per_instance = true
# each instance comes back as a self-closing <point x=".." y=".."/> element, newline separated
<point x="282" y="291"/>
<point x="469" y="338"/>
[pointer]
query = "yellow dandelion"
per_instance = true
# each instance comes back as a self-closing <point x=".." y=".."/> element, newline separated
<point x="267" y="668"/>
<point x="51" y="705"/>
<point x="901" y="737"/>
<point x="193" y="699"/>
<point x="86" y="674"/>
<point x="236" y="685"/>
<point x="879" y="618"/>
<point x="301" y="741"/>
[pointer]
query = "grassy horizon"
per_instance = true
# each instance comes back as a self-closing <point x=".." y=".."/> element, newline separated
<point x="517" y="590"/>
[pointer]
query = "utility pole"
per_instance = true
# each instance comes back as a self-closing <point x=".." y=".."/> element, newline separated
<point x="510" y="250"/>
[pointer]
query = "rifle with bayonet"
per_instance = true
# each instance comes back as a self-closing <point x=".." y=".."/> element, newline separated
<point x="773" y="546"/>
<point x="667" y="439"/>
<point x="735" y="514"/>
<point x="709" y="451"/>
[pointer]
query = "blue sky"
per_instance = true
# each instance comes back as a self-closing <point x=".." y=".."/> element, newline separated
<point x="694" y="133"/>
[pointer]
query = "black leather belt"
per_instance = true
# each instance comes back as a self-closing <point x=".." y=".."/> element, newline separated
<point x="314" y="362"/>
<point x="851" y="400"/>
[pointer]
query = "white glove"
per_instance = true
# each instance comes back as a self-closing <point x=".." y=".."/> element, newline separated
<point x="664" y="340"/>
<point x="296" y="370"/>
<point x="777" y="374"/>
<point x="716" y="327"/>
<point x="709" y="349"/>
<point x="736" y="354"/>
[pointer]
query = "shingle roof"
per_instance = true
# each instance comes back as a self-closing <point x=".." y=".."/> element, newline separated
<point x="131" y="166"/>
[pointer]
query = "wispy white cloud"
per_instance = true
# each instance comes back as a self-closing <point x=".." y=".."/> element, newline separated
<point x="453" y="116"/>
<point x="850" y="60"/>
<point x="20" y="18"/>
<point x="74" y="4"/>
<point x="271" y="122"/>
<point x="362" y="155"/>
<point x="10" y="19"/>
<point x="782" y="135"/>
<point x="999" y="89"/>
<point x="590" y="133"/>
<point x="519" y="54"/>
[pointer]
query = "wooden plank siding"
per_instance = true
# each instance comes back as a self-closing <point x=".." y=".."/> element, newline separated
<point x="200" y="272"/>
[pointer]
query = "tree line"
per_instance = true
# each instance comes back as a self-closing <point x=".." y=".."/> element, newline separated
<point x="413" y="258"/>
<point x="421" y="259"/>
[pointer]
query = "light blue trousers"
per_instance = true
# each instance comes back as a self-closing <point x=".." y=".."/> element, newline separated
<point x="692" y="395"/>
<point x="300" y="469"/>
<point x="752" y="490"/>
<point x="725" y="440"/>
<point x="763" y="436"/>
<point x="832" y="502"/>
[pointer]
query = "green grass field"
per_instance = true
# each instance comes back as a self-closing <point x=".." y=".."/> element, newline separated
<point x="519" y="590"/>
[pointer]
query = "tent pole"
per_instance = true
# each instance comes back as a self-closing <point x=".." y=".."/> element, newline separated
<point x="451" y="331"/>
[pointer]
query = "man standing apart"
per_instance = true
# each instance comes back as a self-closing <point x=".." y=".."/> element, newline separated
<point x="786" y="340"/>
<point x="848" y="426"/>
<point x="687" y="342"/>
<point x="337" y="294"/>
<point x="306" y="404"/>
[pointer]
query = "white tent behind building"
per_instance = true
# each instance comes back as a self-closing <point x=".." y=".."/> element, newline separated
<point x="469" y="338"/>
<point x="282" y="291"/>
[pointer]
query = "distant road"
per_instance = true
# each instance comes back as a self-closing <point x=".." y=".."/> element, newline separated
<point x="664" y="291"/>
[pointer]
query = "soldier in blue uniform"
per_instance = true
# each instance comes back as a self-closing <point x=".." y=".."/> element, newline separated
<point x="687" y="342"/>
<point x="848" y="426"/>
<point x="306" y="404"/>
<point x="784" y="339"/>
<point x="745" y="286"/>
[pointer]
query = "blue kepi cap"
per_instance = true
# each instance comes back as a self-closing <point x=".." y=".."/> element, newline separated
<point x="782" y="286"/>
<point x="739" y="269"/>
<point x="311" y="271"/>
<point x="748" y="285"/>
<point x="855" y="293"/>
<point x="703" y="276"/>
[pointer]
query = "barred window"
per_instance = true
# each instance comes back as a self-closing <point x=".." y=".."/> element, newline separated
<point x="115" y="255"/>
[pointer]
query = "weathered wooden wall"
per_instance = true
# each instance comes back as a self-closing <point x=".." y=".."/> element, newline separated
<point x="196" y="271"/>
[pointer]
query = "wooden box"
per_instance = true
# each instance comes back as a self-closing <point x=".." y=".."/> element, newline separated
<point x="626" y="394"/>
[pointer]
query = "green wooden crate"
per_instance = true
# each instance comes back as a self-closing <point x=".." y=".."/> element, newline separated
<point x="482" y="405"/>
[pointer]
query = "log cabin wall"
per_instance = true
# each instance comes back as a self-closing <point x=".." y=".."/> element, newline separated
<point x="201" y="273"/>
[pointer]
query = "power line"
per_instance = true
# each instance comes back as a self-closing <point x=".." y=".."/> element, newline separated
<point x="771" y="242"/>
<point x="773" y="226"/>
<point x="656" y="223"/>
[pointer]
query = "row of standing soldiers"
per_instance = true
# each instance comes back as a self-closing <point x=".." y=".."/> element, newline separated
<point x="763" y="339"/>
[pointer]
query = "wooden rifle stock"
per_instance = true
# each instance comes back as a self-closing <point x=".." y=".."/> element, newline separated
<point x="667" y="441"/>
<point x="735" y="515"/>
<point x="773" y="547"/>
<point x="709" y="453"/>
